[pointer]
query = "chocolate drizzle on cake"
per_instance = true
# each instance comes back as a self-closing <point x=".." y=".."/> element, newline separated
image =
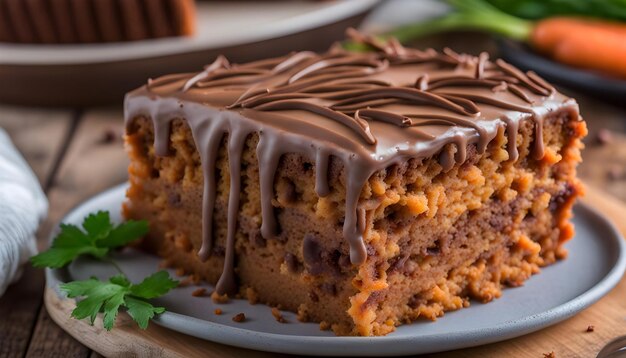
<point x="368" y="110"/>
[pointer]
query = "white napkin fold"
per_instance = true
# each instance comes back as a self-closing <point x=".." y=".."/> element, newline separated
<point x="22" y="207"/>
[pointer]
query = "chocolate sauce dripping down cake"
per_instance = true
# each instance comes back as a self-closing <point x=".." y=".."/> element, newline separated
<point x="359" y="124"/>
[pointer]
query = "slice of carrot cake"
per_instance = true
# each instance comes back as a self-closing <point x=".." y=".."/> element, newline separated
<point x="361" y="190"/>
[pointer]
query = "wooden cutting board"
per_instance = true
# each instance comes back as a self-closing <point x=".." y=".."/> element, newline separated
<point x="566" y="339"/>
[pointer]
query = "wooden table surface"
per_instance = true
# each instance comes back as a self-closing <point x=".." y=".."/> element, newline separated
<point x="77" y="153"/>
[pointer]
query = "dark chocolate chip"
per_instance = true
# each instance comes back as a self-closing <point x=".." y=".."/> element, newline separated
<point x="377" y="272"/>
<point x="174" y="199"/>
<point x="292" y="262"/>
<point x="344" y="262"/>
<point x="472" y="157"/>
<point x="257" y="239"/>
<point x="218" y="250"/>
<point x="374" y="298"/>
<point x="289" y="194"/>
<point x="329" y="288"/>
<point x="415" y="301"/>
<point x="435" y="249"/>
<point x="561" y="197"/>
<point x="333" y="264"/>
<point x="499" y="222"/>
<point x="397" y="263"/>
<point x="312" y="253"/>
<point x="318" y="261"/>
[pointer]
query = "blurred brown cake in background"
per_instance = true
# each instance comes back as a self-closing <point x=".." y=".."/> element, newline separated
<point x="89" y="21"/>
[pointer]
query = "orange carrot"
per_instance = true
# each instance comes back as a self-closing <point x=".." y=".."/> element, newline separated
<point x="547" y="34"/>
<point x="600" y="49"/>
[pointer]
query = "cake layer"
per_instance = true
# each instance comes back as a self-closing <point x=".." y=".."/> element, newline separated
<point x="362" y="190"/>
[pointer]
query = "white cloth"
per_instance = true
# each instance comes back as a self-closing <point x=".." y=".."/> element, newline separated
<point x="22" y="207"/>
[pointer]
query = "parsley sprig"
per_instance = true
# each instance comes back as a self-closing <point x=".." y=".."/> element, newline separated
<point x="118" y="292"/>
<point x="97" y="238"/>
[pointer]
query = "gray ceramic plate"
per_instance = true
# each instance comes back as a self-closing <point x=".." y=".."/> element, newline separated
<point x="596" y="262"/>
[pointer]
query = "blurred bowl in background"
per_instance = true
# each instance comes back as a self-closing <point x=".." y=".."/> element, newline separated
<point x="96" y="74"/>
<point x="592" y="83"/>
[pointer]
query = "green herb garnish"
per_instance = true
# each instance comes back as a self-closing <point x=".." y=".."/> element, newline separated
<point x="97" y="237"/>
<point x="118" y="291"/>
<point x="466" y="15"/>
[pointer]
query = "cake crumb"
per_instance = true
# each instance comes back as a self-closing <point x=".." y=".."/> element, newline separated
<point x="324" y="326"/>
<point x="278" y="316"/>
<point x="199" y="292"/>
<point x="217" y="298"/>
<point x="183" y="243"/>
<point x="180" y="271"/>
<point x="549" y="355"/>
<point x="302" y="314"/>
<point x="185" y="282"/>
<point x="239" y="317"/>
<point x="252" y="295"/>
<point x="217" y="311"/>
<point x="591" y="328"/>
<point x="195" y="278"/>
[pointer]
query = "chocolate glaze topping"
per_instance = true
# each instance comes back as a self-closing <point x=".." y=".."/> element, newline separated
<point x="369" y="110"/>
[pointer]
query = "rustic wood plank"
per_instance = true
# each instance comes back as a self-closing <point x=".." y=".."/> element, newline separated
<point x="50" y="340"/>
<point x="604" y="165"/>
<point x="38" y="134"/>
<point x="94" y="161"/>
<point x="18" y="309"/>
<point x="40" y="137"/>
<point x="125" y="339"/>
